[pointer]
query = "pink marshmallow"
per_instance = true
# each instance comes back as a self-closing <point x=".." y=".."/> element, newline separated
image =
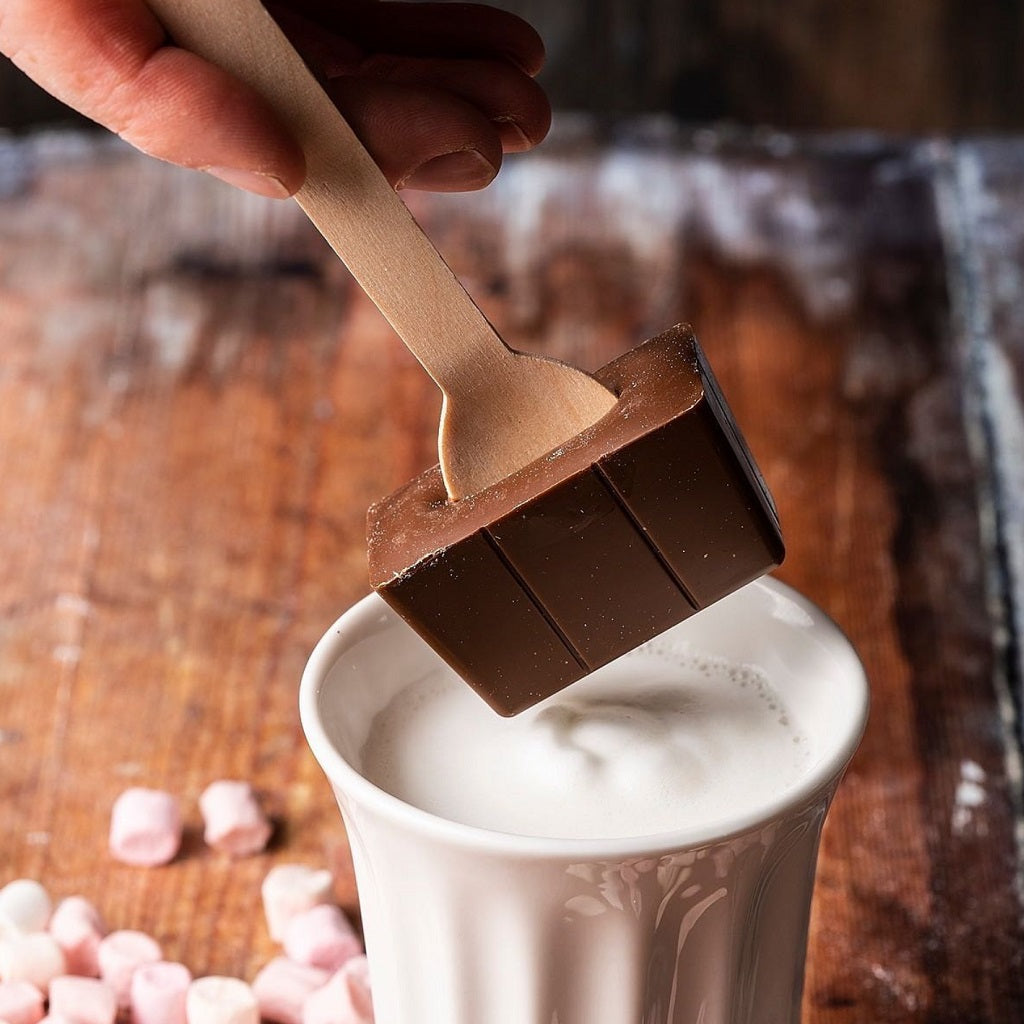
<point x="321" y="937"/>
<point x="345" y="999"/>
<point x="145" y="827"/>
<point x="78" y="929"/>
<point x="120" y="955"/>
<point x="281" y="987"/>
<point x="291" y="889"/>
<point x="20" y="1002"/>
<point x="24" y="907"/>
<point x="234" y="822"/>
<point x="82" y="1000"/>
<point x="158" y="993"/>
<point x="219" y="1000"/>
<point x="35" y="958"/>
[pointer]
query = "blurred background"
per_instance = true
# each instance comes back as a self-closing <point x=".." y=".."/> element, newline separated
<point x="909" y="66"/>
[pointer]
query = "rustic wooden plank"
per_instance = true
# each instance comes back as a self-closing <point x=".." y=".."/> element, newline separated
<point x="164" y="392"/>
<point x="983" y="204"/>
<point x="190" y="414"/>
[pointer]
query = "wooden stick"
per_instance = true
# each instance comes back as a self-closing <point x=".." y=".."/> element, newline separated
<point x="501" y="409"/>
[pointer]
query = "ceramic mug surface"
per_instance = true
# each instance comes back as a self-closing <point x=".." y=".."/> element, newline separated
<point x="707" y="923"/>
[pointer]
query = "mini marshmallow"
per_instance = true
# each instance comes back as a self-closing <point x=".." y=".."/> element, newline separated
<point x="345" y="999"/>
<point x="120" y="954"/>
<point x="78" y="928"/>
<point x="24" y="907"/>
<point x="20" y="1002"/>
<point x="282" y="986"/>
<point x="233" y="821"/>
<point x="145" y="827"/>
<point x="35" y="958"/>
<point x="158" y="993"/>
<point x="321" y="937"/>
<point x="220" y="1000"/>
<point x="82" y="1000"/>
<point x="290" y="889"/>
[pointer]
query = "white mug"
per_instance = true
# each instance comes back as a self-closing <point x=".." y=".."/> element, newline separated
<point x="704" y="925"/>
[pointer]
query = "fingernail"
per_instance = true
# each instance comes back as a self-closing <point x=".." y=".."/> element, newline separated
<point x="466" y="169"/>
<point x="251" y="181"/>
<point x="513" y="138"/>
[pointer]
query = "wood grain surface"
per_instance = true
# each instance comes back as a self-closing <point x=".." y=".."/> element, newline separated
<point x="197" y="405"/>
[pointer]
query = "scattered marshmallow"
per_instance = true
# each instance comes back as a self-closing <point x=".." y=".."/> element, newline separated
<point x="233" y="820"/>
<point x="290" y="889"/>
<point x="219" y="1000"/>
<point x="90" y="976"/>
<point x="345" y="999"/>
<point x="20" y="1002"/>
<point x="24" y="907"/>
<point x="122" y="953"/>
<point x="35" y="958"/>
<point x="281" y="987"/>
<point x="145" y="827"/>
<point x="82" y="1000"/>
<point x="158" y="993"/>
<point x="78" y="928"/>
<point x="321" y="937"/>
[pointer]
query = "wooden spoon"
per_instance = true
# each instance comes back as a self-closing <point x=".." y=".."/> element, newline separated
<point x="502" y="409"/>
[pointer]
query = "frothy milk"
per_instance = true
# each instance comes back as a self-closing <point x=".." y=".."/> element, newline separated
<point x="662" y="739"/>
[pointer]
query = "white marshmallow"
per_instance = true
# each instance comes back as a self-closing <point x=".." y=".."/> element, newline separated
<point x="78" y="928"/>
<point x="82" y="1000"/>
<point x="290" y="889"/>
<point x="35" y="958"/>
<point x="233" y="820"/>
<point x="345" y="999"/>
<point x="24" y="907"/>
<point x="158" y="993"/>
<point x="145" y="827"/>
<point x="321" y="937"/>
<point x="120" y="954"/>
<point x="20" y="1002"/>
<point x="219" y="1000"/>
<point x="281" y="987"/>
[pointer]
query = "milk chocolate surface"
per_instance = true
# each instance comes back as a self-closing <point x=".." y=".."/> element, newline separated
<point x="651" y="514"/>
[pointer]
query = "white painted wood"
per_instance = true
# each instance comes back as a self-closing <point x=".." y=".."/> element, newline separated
<point x="502" y="409"/>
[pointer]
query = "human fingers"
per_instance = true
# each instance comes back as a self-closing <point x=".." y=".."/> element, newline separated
<point x="513" y="103"/>
<point x="421" y="138"/>
<point x="110" y="59"/>
<point x="405" y="128"/>
<point x="426" y="29"/>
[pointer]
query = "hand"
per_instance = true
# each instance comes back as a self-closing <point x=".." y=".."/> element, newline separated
<point x="435" y="91"/>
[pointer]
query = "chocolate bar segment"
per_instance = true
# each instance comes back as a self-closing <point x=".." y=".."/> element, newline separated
<point x="651" y="514"/>
<point x="582" y="554"/>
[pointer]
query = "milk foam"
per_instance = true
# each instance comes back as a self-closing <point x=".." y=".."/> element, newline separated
<point x="662" y="739"/>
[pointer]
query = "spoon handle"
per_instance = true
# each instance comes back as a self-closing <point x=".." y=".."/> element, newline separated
<point x="345" y="194"/>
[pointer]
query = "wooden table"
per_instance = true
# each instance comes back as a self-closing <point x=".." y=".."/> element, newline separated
<point x="196" y="407"/>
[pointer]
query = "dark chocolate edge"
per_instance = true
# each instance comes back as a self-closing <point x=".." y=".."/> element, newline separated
<point x="722" y="412"/>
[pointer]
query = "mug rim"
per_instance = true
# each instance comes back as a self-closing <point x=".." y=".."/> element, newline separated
<point x="823" y="776"/>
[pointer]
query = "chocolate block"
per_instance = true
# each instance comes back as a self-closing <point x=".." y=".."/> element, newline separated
<point x="651" y="514"/>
